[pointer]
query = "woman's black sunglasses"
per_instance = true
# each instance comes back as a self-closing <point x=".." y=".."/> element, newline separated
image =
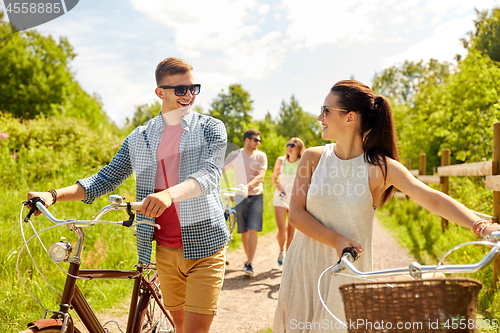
<point x="290" y="145"/>
<point x="182" y="89"/>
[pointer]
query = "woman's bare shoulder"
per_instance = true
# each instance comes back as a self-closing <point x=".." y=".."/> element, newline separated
<point x="312" y="154"/>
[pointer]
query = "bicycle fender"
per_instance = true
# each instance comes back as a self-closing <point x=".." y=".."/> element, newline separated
<point x="52" y="323"/>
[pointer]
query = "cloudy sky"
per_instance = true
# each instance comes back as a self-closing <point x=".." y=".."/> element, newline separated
<point x="274" y="49"/>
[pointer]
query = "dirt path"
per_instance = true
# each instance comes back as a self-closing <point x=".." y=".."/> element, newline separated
<point x="247" y="304"/>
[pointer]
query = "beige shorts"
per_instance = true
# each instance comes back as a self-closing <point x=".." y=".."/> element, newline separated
<point x="192" y="284"/>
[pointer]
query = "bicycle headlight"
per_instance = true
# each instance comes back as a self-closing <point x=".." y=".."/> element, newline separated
<point x="60" y="251"/>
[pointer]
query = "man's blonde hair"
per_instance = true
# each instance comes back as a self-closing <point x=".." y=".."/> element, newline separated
<point x="171" y="66"/>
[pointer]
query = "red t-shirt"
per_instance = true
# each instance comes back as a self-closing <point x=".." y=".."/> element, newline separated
<point x="167" y="175"/>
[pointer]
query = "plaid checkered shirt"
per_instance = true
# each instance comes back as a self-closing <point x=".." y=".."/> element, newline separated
<point x="202" y="148"/>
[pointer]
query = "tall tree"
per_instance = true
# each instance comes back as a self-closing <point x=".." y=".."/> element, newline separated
<point x="35" y="78"/>
<point x="273" y="144"/>
<point x="293" y="121"/>
<point x="400" y="83"/>
<point x="143" y="113"/>
<point x="234" y="110"/>
<point x="486" y="37"/>
<point x="445" y="109"/>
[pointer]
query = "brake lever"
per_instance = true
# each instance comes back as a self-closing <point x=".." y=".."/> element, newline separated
<point x="31" y="203"/>
<point x="131" y="215"/>
<point x="351" y="254"/>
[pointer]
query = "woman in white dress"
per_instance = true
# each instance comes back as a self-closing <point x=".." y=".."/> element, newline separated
<point x="283" y="177"/>
<point x="335" y="194"/>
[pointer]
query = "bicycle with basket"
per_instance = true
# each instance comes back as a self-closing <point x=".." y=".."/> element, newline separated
<point x="414" y="304"/>
<point x="146" y="312"/>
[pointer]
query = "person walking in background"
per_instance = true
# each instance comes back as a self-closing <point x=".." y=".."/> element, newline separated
<point x="249" y="165"/>
<point x="336" y="192"/>
<point x="283" y="176"/>
<point x="177" y="158"/>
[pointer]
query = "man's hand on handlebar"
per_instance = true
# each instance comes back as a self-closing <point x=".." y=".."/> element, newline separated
<point x="155" y="204"/>
<point x="46" y="196"/>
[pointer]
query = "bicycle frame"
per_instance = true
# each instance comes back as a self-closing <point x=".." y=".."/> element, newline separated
<point x="72" y="295"/>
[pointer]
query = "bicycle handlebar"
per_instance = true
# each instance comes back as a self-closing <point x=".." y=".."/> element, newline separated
<point x="116" y="203"/>
<point x="415" y="269"/>
<point x="230" y="192"/>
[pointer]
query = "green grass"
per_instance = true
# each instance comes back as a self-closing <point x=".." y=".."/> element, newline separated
<point x="38" y="155"/>
<point x="106" y="246"/>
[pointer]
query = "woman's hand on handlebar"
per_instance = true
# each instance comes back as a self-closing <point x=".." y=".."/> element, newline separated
<point x="46" y="196"/>
<point x="343" y="242"/>
<point x="155" y="204"/>
<point x="489" y="229"/>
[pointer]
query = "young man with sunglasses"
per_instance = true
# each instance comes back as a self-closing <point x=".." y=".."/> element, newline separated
<point x="250" y="165"/>
<point x="178" y="158"/>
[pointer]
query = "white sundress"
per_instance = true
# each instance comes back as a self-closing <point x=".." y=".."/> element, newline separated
<point x="339" y="197"/>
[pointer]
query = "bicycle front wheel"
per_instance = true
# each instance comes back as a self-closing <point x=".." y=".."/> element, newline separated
<point x="151" y="318"/>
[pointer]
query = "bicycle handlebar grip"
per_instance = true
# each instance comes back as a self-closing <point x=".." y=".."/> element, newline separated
<point x="136" y="205"/>
<point x="352" y="251"/>
<point x="31" y="204"/>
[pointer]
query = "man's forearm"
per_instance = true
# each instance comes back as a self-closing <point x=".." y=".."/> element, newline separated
<point x="256" y="181"/>
<point x="188" y="189"/>
<point x="74" y="192"/>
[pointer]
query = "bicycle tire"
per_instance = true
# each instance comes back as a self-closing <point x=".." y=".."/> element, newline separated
<point x="151" y="318"/>
<point x="231" y="222"/>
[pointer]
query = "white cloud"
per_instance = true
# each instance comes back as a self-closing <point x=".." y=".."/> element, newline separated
<point x="225" y="26"/>
<point x="247" y="58"/>
<point x="263" y="9"/>
<point x="314" y="23"/>
<point x="397" y="40"/>
<point x="443" y="45"/>
<point x="398" y="19"/>
<point x="443" y="7"/>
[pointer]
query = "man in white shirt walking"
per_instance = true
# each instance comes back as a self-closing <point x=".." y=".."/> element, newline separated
<point x="250" y="165"/>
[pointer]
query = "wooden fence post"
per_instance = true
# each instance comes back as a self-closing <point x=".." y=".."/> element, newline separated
<point x="408" y="166"/>
<point x="496" y="194"/>
<point x="445" y="182"/>
<point x="422" y="164"/>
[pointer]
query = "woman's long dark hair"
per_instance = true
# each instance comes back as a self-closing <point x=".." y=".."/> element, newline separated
<point x="377" y="124"/>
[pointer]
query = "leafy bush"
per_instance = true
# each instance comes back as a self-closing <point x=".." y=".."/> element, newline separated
<point x="60" y="148"/>
<point x="36" y="80"/>
<point x="46" y="153"/>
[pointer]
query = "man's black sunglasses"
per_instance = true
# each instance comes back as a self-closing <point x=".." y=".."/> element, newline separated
<point x="182" y="90"/>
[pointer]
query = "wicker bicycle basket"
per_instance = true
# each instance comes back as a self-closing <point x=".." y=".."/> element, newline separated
<point x="442" y="305"/>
